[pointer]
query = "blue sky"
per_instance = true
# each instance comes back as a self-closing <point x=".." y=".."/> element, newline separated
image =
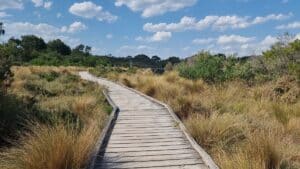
<point x="155" y="27"/>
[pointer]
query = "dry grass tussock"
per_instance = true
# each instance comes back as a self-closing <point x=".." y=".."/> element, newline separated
<point x="74" y="110"/>
<point x="241" y="126"/>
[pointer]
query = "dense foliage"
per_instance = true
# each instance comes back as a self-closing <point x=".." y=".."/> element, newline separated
<point x="31" y="49"/>
<point x="281" y="59"/>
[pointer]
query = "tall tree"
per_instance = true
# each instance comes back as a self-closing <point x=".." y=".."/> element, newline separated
<point x="88" y="49"/>
<point x="32" y="42"/>
<point x="79" y="48"/>
<point x="59" y="46"/>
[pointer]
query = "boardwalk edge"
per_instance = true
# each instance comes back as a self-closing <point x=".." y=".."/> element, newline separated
<point x="106" y="132"/>
<point x="203" y="154"/>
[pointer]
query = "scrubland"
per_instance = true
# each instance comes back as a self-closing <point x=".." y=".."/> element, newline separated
<point x="59" y="122"/>
<point x="241" y="126"/>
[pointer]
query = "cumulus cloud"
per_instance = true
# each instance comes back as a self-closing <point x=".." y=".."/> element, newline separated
<point x="157" y="37"/>
<point x="74" y="27"/>
<point x="46" y="31"/>
<point x="48" y="5"/>
<point x="11" y="4"/>
<point x="237" y="44"/>
<point x="42" y="3"/>
<point x="214" y="22"/>
<point x="161" y="36"/>
<point x="90" y="10"/>
<point x="151" y="8"/>
<point x="38" y="3"/>
<point x="294" y="25"/>
<point x="229" y="39"/>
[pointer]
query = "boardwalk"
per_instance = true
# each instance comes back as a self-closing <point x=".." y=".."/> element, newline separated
<point x="146" y="135"/>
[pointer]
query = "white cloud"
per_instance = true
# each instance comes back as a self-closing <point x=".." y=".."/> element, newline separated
<point x="203" y="41"/>
<point x="42" y="3"/>
<point x="11" y="4"/>
<point x="161" y="36"/>
<point x="243" y="46"/>
<point x="38" y="3"/>
<point x="156" y="37"/>
<point x="90" y="10"/>
<point x="109" y="36"/>
<point x="269" y="40"/>
<point x="4" y="15"/>
<point x="74" y="27"/>
<point x="151" y="8"/>
<point x="294" y="25"/>
<point x="214" y="22"/>
<point x="229" y="39"/>
<point x="297" y="36"/>
<point x="274" y="17"/>
<point x="48" y="5"/>
<point x="46" y="31"/>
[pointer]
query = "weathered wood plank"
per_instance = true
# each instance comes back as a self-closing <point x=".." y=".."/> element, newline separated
<point x="145" y="135"/>
<point x="149" y="153"/>
<point x="154" y="144"/>
<point x="128" y="142"/>
<point x="150" y="158"/>
<point x="151" y="164"/>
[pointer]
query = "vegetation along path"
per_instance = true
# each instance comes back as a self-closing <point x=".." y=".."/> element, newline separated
<point x="147" y="134"/>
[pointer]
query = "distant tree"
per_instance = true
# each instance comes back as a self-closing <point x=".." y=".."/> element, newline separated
<point x="142" y="57"/>
<point x="59" y="46"/>
<point x="156" y="59"/>
<point x="221" y="55"/>
<point x="79" y="48"/>
<point x="87" y="49"/>
<point x="15" y="40"/>
<point x="173" y="60"/>
<point x="32" y="42"/>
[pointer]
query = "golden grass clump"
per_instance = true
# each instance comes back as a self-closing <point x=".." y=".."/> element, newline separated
<point x="51" y="147"/>
<point x="78" y="112"/>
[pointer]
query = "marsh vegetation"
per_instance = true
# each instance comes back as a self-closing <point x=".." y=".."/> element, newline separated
<point x="55" y="121"/>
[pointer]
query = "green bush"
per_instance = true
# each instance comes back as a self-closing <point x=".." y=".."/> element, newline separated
<point x="205" y="66"/>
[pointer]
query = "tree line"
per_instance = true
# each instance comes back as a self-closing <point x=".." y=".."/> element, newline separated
<point x="30" y="49"/>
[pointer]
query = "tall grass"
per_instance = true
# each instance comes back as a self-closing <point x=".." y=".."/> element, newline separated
<point x="241" y="126"/>
<point x="74" y="115"/>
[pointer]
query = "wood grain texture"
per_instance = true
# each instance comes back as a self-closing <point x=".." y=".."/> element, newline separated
<point x="145" y="134"/>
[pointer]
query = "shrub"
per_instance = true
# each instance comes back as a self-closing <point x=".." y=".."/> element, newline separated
<point x="205" y="66"/>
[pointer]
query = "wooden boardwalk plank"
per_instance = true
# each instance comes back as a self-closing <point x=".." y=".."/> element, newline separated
<point x="161" y="163"/>
<point x="145" y="135"/>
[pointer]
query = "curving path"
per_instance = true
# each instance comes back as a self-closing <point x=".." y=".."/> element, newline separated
<point x="147" y="135"/>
